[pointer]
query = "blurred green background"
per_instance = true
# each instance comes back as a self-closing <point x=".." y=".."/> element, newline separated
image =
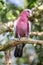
<point x="9" y="11"/>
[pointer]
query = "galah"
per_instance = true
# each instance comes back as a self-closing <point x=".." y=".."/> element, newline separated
<point x="22" y="28"/>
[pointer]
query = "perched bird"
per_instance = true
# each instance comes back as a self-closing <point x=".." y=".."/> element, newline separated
<point x="22" y="28"/>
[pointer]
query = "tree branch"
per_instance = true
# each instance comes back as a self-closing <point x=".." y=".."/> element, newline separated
<point x="36" y="33"/>
<point x="6" y="27"/>
<point x="16" y="41"/>
<point x="7" y="57"/>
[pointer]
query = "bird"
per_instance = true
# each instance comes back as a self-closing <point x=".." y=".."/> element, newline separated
<point x="22" y="28"/>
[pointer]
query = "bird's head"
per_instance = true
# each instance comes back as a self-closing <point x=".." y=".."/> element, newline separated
<point x="28" y="12"/>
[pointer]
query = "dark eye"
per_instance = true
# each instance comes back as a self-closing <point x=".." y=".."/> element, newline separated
<point x="27" y="11"/>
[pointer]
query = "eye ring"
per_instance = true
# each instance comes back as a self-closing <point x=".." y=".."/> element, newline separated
<point x="27" y="11"/>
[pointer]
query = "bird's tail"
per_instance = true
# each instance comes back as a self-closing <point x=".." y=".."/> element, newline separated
<point x="19" y="50"/>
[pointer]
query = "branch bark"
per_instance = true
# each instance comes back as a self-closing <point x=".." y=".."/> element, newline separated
<point x="36" y="33"/>
<point x="7" y="57"/>
<point x="6" y="27"/>
<point x="16" y="41"/>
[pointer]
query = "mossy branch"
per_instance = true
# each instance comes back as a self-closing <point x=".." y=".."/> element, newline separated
<point x="16" y="41"/>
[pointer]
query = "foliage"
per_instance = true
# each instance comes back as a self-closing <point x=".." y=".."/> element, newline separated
<point x="9" y="11"/>
<point x="1" y="55"/>
<point x="31" y="3"/>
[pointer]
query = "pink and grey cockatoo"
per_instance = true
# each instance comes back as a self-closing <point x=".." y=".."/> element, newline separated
<point x="22" y="28"/>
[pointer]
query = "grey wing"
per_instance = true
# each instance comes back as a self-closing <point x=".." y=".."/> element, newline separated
<point x="15" y="23"/>
<point x="29" y="26"/>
